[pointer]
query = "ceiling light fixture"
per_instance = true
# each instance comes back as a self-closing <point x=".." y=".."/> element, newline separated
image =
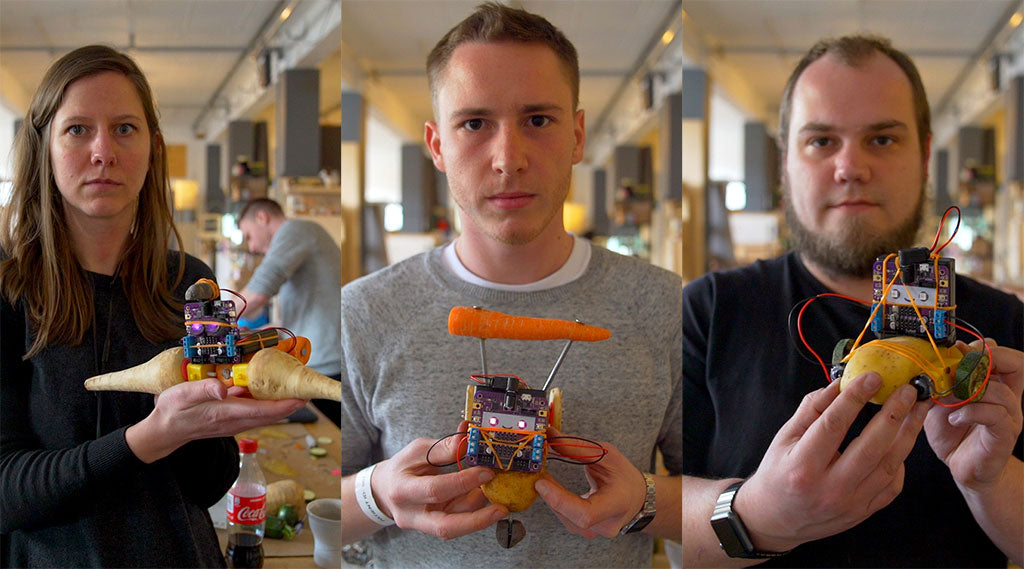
<point x="285" y="13"/>
<point x="1016" y="19"/>
<point x="666" y="38"/>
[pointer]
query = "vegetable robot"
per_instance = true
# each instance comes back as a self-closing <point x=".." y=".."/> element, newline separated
<point x="913" y="315"/>
<point x="508" y="420"/>
<point x="213" y="346"/>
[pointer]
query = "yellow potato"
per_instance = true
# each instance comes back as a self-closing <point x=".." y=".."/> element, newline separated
<point x="512" y="489"/>
<point x="896" y="369"/>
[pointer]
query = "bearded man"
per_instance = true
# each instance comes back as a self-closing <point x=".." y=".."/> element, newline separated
<point x="798" y="474"/>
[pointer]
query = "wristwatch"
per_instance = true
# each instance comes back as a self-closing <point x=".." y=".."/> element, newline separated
<point x="732" y="534"/>
<point x="646" y="513"/>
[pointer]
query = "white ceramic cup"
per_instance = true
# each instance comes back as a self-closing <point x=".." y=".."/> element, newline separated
<point x="324" y="516"/>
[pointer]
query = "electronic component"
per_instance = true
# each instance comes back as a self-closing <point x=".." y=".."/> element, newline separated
<point x="925" y="285"/>
<point x="507" y="423"/>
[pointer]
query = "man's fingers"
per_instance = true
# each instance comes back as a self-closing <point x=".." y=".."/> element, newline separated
<point x="1009" y="365"/>
<point x="450" y="526"/>
<point x="992" y="415"/>
<point x="444" y="487"/>
<point x="812" y="406"/>
<point x="581" y="513"/>
<point x="878" y="485"/>
<point x="867" y="450"/>
<point x="451" y="448"/>
<point x="470" y="502"/>
<point x="823" y="437"/>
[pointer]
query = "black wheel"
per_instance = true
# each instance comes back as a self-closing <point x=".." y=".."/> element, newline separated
<point x="923" y="384"/>
<point x="837" y="371"/>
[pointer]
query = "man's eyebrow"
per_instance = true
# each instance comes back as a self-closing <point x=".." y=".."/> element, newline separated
<point x="816" y="127"/>
<point x="540" y="108"/>
<point x="470" y="112"/>
<point x="873" y="127"/>
<point x="474" y="112"/>
<point x="886" y="125"/>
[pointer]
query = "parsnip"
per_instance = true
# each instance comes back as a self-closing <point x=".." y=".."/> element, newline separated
<point x="273" y="374"/>
<point x="285" y="492"/>
<point x="154" y="376"/>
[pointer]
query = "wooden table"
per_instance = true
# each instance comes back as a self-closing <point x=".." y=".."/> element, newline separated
<point x="283" y="454"/>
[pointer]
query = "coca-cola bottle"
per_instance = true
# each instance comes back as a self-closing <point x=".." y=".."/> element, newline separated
<point x="247" y="516"/>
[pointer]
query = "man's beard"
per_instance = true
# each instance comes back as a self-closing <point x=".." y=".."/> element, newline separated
<point x="851" y="252"/>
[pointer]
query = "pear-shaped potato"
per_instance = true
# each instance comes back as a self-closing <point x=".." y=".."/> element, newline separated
<point x="897" y="369"/>
<point x="512" y="489"/>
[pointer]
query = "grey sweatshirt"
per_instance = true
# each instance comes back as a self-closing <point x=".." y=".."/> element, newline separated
<point x="303" y="268"/>
<point x="405" y="377"/>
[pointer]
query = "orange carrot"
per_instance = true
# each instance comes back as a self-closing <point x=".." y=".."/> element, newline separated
<point x="480" y="323"/>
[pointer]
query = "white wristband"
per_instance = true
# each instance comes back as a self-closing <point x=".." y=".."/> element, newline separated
<point x="364" y="496"/>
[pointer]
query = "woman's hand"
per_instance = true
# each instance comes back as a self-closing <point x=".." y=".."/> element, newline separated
<point x="199" y="410"/>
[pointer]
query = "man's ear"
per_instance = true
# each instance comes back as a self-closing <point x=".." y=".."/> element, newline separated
<point x="262" y="217"/>
<point x="432" y="137"/>
<point x="580" y="133"/>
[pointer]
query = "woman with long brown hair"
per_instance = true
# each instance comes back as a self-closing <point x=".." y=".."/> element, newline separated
<point x="88" y="284"/>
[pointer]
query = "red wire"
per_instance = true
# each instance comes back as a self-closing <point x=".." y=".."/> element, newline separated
<point x="604" y="451"/>
<point x="800" y="330"/>
<point x="476" y="377"/>
<point x="939" y="232"/>
<point x="934" y="251"/>
<point x="988" y="374"/>
<point x="458" y="453"/>
<point x="828" y="376"/>
<point x="244" y="302"/>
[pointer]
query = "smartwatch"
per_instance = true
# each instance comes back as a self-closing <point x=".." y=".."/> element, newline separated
<point x="646" y="513"/>
<point x="732" y="534"/>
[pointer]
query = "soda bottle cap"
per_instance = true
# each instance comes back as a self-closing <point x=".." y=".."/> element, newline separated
<point x="248" y="445"/>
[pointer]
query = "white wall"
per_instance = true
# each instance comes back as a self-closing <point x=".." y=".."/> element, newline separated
<point x="725" y="139"/>
<point x="7" y="118"/>
<point x="383" y="161"/>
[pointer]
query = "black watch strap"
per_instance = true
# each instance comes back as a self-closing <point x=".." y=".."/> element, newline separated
<point x="732" y="534"/>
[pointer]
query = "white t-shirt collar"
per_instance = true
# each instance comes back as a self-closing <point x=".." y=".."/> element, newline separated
<point x="573" y="269"/>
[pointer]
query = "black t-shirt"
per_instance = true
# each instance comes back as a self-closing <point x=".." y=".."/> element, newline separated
<point x="743" y="378"/>
<point x="72" y="497"/>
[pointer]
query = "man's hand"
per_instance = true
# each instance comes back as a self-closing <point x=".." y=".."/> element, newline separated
<point x="409" y="490"/>
<point x="617" y="492"/>
<point x="805" y="489"/>
<point x="976" y="440"/>
<point x="198" y="410"/>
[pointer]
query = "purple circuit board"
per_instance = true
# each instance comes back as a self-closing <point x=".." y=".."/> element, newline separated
<point x="930" y="286"/>
<point x="211" y="332"/>
<point x="505" y="404"/>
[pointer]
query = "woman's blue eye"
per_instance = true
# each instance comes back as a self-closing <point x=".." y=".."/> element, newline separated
<point x="125" y="129"/>
<point x="76" y="130"/>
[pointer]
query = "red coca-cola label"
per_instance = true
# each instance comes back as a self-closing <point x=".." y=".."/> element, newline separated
<point x="247" y="510"/>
